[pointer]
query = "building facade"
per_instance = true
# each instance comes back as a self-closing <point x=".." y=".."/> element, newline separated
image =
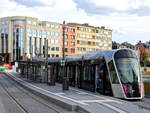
<point x="70" y="36"/>
<point x="144" y="47"/>
<point x="89" y="38"/>
<point x="23" y="38"/>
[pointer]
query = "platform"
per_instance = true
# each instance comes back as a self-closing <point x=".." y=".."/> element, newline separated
<point x="77" y="99"/>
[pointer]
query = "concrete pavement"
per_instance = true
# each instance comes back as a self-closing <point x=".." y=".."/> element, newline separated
<point x="79" y="100"/>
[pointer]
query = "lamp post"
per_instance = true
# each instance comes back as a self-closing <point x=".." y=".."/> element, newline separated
<point x="46" y="60"/>
<point x="65" y="78"/>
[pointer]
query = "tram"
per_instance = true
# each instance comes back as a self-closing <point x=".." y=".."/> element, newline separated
<point x="109" y="72"/>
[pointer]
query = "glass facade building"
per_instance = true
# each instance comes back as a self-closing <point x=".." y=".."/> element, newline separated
<point x="18" y="36"/>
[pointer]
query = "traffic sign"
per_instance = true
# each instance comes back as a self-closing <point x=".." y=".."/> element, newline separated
<point x="62" y="62"/>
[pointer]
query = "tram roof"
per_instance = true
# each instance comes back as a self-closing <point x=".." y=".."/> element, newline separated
<point x="107" y="54"/>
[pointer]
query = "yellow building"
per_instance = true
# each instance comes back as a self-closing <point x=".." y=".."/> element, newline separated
<point x="90" y="38"/>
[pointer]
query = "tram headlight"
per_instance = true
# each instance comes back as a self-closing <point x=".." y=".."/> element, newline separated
<point x="125" y="88"/>
<point x="140" y="89"/>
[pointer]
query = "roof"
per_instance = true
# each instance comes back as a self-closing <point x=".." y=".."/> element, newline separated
<point x="107" y="54"/>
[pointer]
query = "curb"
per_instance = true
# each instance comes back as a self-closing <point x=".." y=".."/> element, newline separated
<point x="71" y="106"/>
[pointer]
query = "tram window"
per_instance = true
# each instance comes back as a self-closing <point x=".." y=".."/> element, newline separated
<point x="60" y="72"/>
<point x="86" y="73"/>
<point x="128" y="70"/>
<point x="113" y="73"/>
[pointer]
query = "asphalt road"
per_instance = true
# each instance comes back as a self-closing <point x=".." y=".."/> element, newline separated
<point x="15" y="99"/>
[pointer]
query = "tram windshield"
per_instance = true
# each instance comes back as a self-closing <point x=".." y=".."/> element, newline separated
<point x="128" y="70"/>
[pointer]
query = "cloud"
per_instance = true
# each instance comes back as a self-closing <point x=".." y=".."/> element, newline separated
<point x="125" y="17"/>
<point x="35" y="3"/>
<point x="141" y="11"/>
<point x="108" y="7"/>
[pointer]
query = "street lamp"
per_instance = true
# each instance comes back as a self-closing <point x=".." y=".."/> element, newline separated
<point x="46" y="60"/>
<point x="65" y="84"/>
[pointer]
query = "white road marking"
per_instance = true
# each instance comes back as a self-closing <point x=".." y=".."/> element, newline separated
<point x="82" y="93"/>
<point x="100" y="101"/>
<point x="113" y="108"/>
<point x="89" y="94"/>
<point x="59" y="93"/>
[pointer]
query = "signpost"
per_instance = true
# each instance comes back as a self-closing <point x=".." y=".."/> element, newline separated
<point x="65" y="84"/>
<point x="62" y="62"/>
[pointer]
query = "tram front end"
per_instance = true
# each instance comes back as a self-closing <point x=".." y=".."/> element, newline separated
<point x="129" y="77"/>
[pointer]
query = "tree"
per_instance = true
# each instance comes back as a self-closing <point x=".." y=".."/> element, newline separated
<point x="144" y="59"/>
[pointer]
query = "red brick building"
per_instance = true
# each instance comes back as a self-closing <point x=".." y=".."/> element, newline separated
<point x="144" y="47"/>
<point x="69" y="40"/>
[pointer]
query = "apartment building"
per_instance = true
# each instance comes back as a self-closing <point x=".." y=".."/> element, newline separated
<point x="89" y="38"/>
<point x="70" y="36"/>
<point x="25" y="37"/>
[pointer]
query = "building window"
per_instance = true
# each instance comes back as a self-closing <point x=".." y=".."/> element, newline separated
<point x="29" y="22"/>
<point x="101" y="32"/>
<point x="72" y="50"/>
<point x="39" y="33"/>
<point x="34" y="32"/>
<point x="105" y="32"/>
<point x="72" y="30"/>
<point x="47" y="25"/>
<point x="84" y="49"/>
<point x="57" y="55"/>
<point x="6" y="22"/>
<point x="57" y="26"/>
<point x="48" y="33"/>
<point x="52" y="33"/>
<point x="56" y="41"/>
<point x="65" y="29"/>
<point x="66" y="49"/>
<point x="44" y="33"/>
<point x="18" y="22"/>
<point x="29" y="32"/>
<point x="2" y="23"/>
<point x="101" y="45"/>
<point x="6" y="31"/>
<point x="52" y="41"/>
<point x="57" y="34"/>
<point x="66" y="43"/>
<point x="53" y="55"/>
<point x="53" y="48"/>
<point x="57" y="48"/>
<point x="72" y="43"/>
<point x="97" y="43"/>
<point x="105" y="45"/>
<point x="66" y="36"/>
<point x="72" y="36"/>
<point x="52" y="26"/>
<point x="34" y="23"/>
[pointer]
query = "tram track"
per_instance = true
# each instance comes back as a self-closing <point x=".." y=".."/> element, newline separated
<point x="17" y="102"/>
<point x="14" y="100"/>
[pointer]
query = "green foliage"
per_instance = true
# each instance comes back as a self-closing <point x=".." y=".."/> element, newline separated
<point x="144" y="59"/>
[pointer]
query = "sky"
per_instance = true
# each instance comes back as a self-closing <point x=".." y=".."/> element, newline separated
<point x="128" y="19"/>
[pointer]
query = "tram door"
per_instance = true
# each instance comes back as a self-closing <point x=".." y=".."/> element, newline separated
<point x="71" y="75"/>
<point x="103" y="85"/>
<point x="88" y="78"/>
